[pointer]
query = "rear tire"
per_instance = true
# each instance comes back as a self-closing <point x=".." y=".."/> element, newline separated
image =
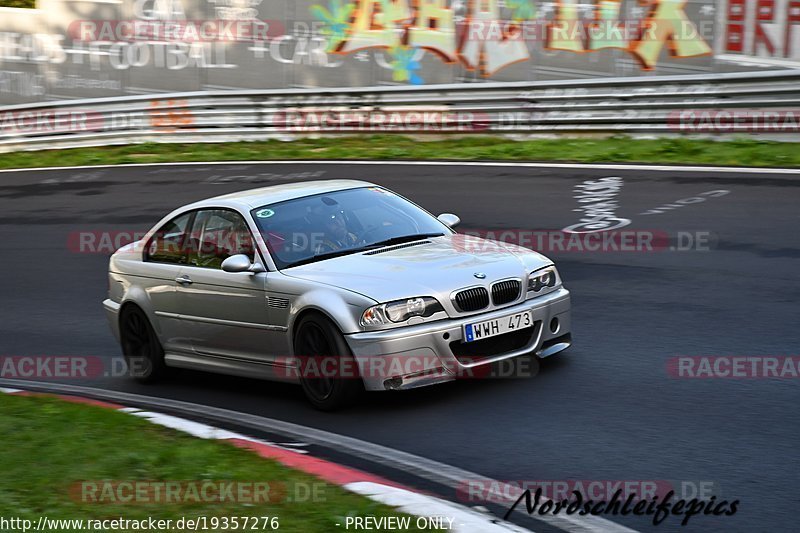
<point x="140" y="346"/>
<point x="315" y="341"/>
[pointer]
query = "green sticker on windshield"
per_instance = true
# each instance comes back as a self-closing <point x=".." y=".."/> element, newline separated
<point x="264" y="213"/>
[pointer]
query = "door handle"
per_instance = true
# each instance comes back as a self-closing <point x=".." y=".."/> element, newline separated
<point x="184" y="280"/>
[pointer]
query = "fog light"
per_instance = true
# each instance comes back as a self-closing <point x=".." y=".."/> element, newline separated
<point x="554" y="325"/>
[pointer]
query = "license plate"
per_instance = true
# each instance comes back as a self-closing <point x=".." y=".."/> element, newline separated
<point x="497" y="326"/>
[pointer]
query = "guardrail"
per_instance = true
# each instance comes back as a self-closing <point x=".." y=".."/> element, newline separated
<point x="766" y="103"/>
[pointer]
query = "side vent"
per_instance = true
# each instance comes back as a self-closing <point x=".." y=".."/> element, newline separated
<point x="277" y="303"/>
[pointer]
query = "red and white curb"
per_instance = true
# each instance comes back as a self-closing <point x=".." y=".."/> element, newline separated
<point x="406" y="500"/>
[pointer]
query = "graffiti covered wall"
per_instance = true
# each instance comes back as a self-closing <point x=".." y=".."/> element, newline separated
<point x="768" y="30"/>
<point x="96" y="48"/>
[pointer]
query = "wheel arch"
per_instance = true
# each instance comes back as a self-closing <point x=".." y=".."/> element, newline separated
<point x="127" y="305"/>
<point x="310" y="311"/>
<point x="136" y="297"/>
<point x="342" y="308"/>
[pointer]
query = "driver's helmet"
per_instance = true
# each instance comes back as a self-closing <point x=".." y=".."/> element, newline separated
<point x="326" y="211"/>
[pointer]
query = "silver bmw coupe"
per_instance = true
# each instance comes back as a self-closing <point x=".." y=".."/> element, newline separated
<point x="339" y="285"/>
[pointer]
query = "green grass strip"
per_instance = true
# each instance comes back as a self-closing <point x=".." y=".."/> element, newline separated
<point x="738" y="152"/>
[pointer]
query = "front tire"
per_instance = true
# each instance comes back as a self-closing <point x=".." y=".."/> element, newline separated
<point x="321" y="346"/>
<point x="141" y="347"/>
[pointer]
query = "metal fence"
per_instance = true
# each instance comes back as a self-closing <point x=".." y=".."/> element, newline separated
<point x="720" y="105"/>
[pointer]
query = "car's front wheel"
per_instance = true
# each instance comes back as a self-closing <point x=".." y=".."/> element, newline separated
<point x="328" y="372"/>
<point x="140" y="346"/>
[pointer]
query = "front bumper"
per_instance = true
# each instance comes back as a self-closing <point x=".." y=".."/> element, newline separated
<point x="415" y="356"/>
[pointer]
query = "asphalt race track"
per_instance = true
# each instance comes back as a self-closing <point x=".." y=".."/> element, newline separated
<point x="607" y="409"/>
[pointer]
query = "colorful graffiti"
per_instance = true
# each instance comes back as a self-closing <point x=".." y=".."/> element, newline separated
<point x="405" y="65"/>
<point x="488" y="35"/>
<point x="336" y="20"/>
<point x="86" y="49"/>
<point x="762" y="28"/>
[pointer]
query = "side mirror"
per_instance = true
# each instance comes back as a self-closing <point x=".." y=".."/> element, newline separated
<point x="449" y="219"/>
<point x="241" y="263"/>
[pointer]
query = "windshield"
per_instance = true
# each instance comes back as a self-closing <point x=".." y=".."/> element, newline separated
<point x="314" y="228"/>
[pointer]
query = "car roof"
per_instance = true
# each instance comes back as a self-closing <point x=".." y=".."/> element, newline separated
<point x="253" y="198"/>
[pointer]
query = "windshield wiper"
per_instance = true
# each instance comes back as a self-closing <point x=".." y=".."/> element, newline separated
<point x="326" y="255"/>
<point x="402" y="239"/>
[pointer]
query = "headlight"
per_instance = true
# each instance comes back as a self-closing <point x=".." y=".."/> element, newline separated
<point x="400" y="311"/>
<point x="541" y="279"/>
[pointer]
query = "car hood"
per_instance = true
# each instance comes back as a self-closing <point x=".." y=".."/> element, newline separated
<point x="434" y="267"/>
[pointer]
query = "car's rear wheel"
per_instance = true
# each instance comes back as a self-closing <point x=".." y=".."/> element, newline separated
<point x="328" y="373"/>
<point x="140" y="346"/>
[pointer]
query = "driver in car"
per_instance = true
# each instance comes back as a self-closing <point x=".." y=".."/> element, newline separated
<point x="330" y="218"/>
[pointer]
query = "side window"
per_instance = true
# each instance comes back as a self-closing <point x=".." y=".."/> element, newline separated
<point x="167" y="244"/>
<point x="216" y="235"/>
